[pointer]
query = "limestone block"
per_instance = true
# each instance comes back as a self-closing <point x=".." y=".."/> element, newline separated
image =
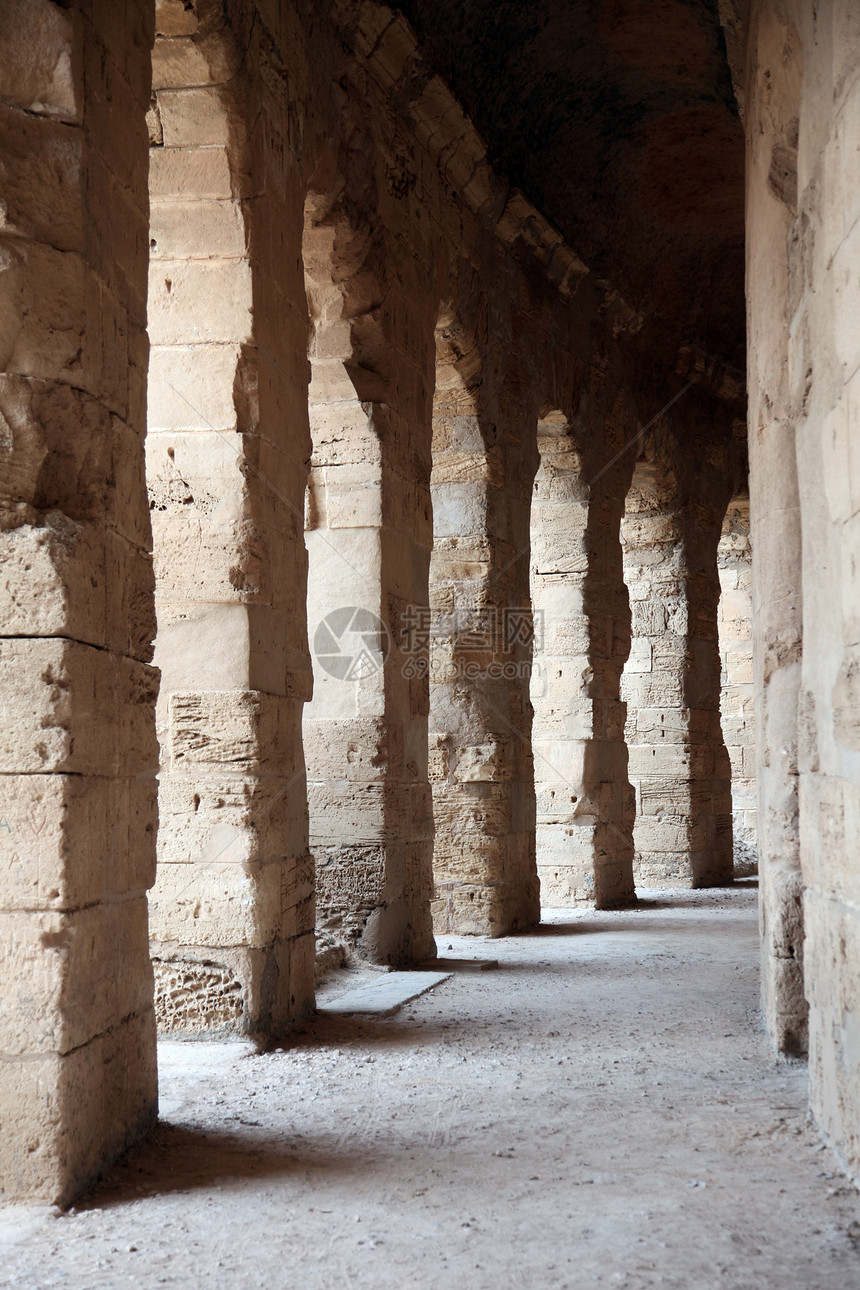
<point x="243" y="731"/>
<point x="190" y="172"/>
<point x="489" y="762"/>
<point x="459" y="510"/>
<point x="197" y="998"/>
<point x="63" y="702"/>
<point x="194" y="117"/>
<point x="61" y="441"/>
<point x="649" y="617"/>
<point x="559" y="556"/>
<point x="48" y="822"/>
<point x="52" y="578"/>
<point x="44" y="332"/>
<point x="353" y="496"/>
<point x="358" y="814"/>
<point x="42" y="203"/>
<point x="365" y="750"/>
<point x="174" y="18"/>
<point x="185" y="229"/>
<point x="555" y="799"/>
<point x="191" y="387"/>
<point x="244" y="647"/>
<point x="178" y="63"/>
<point x="199" y="301"/>
<point x="563" y="885"/>
<point x="40" y="77"/>
<point x="640" y="658"/>
<point x="49" y="1154"/>
<point x="222" y="821"/>
<point x="217" y="904"/>
<point x="352" y="877"/>
<point x="76" y="974"/>
<point x="482" y="810"/>
<point x="831" y="957"/>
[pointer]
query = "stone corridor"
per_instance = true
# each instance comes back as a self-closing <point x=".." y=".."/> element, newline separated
<point x="430" y="501"/>
<point x="602" y="1109"/>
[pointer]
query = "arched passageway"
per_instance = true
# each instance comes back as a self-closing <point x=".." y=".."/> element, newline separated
<point x="232" y="907"/>
<point x="316" y="191"/>
<point x="368" y="533"/>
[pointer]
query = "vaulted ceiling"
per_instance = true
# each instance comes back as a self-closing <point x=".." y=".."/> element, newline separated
<point x="618" y="120"/>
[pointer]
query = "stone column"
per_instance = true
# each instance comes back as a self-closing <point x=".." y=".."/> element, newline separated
<point x="771" y="125"/>
<point x="584" y="800"/>
<point x="678" y="760"/>
<point x="78" y="814"/>
<point x="737" y="699"/>
<point x="232" y="911"/>
<point x="480" y="717"/>
<point x="823" y="377"/>
<point x="368" y="537"/>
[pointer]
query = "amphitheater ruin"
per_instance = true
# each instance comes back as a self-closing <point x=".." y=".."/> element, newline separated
<point x="410" y="520"/>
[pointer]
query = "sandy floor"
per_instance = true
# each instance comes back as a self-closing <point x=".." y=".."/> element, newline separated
<point x="601" y="1110"/>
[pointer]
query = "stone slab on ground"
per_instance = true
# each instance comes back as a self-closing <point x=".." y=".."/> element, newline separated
<point x="458" y="965"/>
<point x="382" y="998"/>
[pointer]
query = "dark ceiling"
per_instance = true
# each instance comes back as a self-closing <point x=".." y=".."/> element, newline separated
<point x="618" y="120"/>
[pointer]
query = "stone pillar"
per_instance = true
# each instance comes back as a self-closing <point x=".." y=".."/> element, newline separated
<point x="771" y="124"/>
<point x="232" y="911"/>
<point x="368" y="537"/>
<point x="584" y="799"/>
<point x="480" y="662"/>
<point x="678" y="760"/>
<point x="78" y="814"/>
<point x="824" y="389"/>
<point x="734" y="560"/>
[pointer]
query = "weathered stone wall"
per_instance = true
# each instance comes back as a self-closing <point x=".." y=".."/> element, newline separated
<point x="773" y="103"/>
<point x="316" y="194"/>
<point x="232" y="910"/>
<point x="585" y="802"/>
<point x="369" y="536"/>
<point x="737" y="699"/>
<point x="77" y="839"/>
<point x="678" y="760"/>
<point x="480" y="663"/>
<point x="803" y="67"/>
<point x="519" y="326"/>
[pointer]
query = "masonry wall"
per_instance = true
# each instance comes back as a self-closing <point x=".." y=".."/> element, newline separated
<point x="679" y="764"/>
<point x="778" y="612"/>
<point x="232" y="909"/>
<point x="584" y="799"/>
<point x="824" y="384"/>
<point x="77" y="788"/>
<point x="316" y="195"/>
<point x="519" y="326"/>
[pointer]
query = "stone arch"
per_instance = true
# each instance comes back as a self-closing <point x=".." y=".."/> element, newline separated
<point x="367" y="531"/>
<point x="231" y="914"/>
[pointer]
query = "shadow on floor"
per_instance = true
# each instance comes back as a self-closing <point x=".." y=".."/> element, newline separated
<point x="178" y="1158"/>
